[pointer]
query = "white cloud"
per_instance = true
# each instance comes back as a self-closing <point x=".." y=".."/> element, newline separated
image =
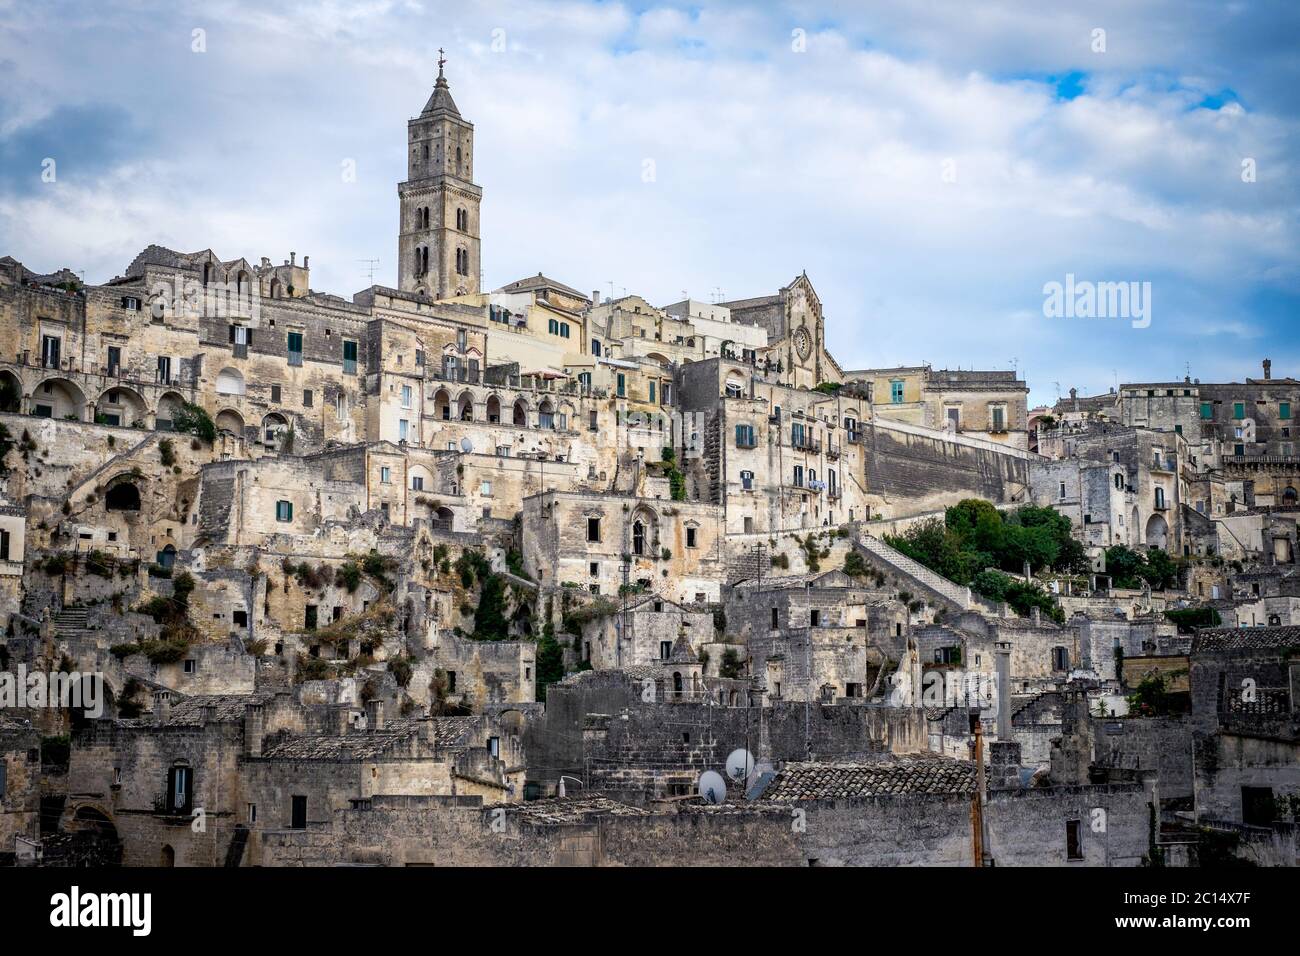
<point x="768" y="161"/>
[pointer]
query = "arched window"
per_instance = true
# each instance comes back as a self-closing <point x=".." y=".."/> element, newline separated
<point x="1119" y="482"/>
<point x="638" y="537"/>
<point x="457" y="159"/>
<point x="275" y="288"/>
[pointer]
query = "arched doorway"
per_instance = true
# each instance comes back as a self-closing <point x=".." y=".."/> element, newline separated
<point x="121" y="406"/>
<point x="169" y="406"/>
<point x="230" y="422"/>
<point x="59" y="398"/>
<point x="465" y="407"/>
<point x="442" y="405"/>
<point x="167" y="557"/>
<point x="274" y="429"/>
<point x="1157" y="532"/>
<point x="520" y="415"/>
<point x="493" y="409"/>
<point x="11" y="392"/>
<point x="168" y="856"/>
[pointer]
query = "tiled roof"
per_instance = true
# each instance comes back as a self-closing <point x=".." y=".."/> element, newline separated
<point x="360" y="745"/>
<point x="539" y="281"/>
<point x="1245" y="638"/>
<point x="230" y="707"/>
<point x="921" y="774"/>
<point x="574" y="810"/>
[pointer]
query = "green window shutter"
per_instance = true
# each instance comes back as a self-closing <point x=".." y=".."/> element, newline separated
<point x="1284" y="409"/>
<point x="1207" y="410"/>
<point x="1238" y="409"/>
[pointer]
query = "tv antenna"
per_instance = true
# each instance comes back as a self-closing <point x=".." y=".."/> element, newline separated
<point x="368" y="269"/>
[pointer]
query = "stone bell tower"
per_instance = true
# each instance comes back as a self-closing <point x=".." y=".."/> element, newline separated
<point x="438" y="239"/>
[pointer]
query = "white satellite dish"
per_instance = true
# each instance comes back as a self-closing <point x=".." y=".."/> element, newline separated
<point x="740" y="764"/>
<point x="466" y="445"/>
<point x="712" y="787"/>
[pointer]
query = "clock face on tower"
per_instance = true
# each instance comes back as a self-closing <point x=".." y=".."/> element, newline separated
<point x="802" y="343"/>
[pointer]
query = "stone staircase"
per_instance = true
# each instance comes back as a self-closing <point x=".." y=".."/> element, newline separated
<point x="894" y="560"/>
<point x="72" y="624"/>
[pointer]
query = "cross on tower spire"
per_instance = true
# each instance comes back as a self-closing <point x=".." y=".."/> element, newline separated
<point x="442" y="59"/>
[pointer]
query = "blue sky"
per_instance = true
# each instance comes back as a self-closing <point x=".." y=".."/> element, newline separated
<point x="931" y="166"/>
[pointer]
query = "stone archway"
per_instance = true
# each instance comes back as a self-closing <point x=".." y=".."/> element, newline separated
<point x="59" y="398"/>
<point x="1157" y="533"/>
<point x="11" y="392"/>
<point x="122" y="406"/>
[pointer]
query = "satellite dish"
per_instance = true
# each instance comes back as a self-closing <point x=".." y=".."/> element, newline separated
<point x="466" y="445"/>
<point x="740" y="764"/>
<point x="712" y="787"/>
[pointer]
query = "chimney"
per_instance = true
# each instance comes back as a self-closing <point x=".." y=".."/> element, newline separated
<point x="254" y="727"/>
<point x="595" y="297"/>
<point x="1002" y="661"/>
<point x="162" y="706"/>
<point x="305" y="259"/>
<point x="1268" y="369"/>
<point x="293" y="256"/>
<point x="375" y="714"/>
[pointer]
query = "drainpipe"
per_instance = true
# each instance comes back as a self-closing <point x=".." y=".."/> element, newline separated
<point x="977" y="798"/>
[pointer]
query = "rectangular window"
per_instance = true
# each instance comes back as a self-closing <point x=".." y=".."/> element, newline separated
<point x="815" y="618"/>
<point x="665" y="650"/>
<point x="4" y="550"/>
<point x="417" y="482"/>
<point x="51" y="346"/>
<point x="896" y="392"/>
<point x="998" y="414"/>
<point x="350" y="357"/>
<point x="294" y="345"/>
<point x="114" y="360"/>
<point x="275" y="393"/>
<point x="1238" y="410"/>
<point x="386" y="475"/>
<point x="1207" y="411"/>
<point x="181" y="791"/>
<point x="652" y="392"/>
<point x="251" y="815"/>
<point x="284" y="510"/>
<point x="306" y="398"/>
<point x="798" y="476"/>
<point x="310" y="616"/>
<point x="298" y="817"/>
<point x="1283" y="409"/>
<point x="774" y="618"/>
<point x="745" y="436"/>
<point x="164" y="369"/>
<point x="593" y="529"/>
<point x="690" y="537"/>
<point x="406" y="396"/>
<point x="485" y="489"/>
<point x="747" y="480"/>
<point x="1073" y="844"/>
<point x="622" y="385"/>
<point x="403" y="426"/>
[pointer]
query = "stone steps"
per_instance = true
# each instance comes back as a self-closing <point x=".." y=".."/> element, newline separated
<point x="908" y="567"/>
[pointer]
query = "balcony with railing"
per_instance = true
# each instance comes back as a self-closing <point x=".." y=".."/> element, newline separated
<point x="464" y="376"/>
<point x="805" y="443"/>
